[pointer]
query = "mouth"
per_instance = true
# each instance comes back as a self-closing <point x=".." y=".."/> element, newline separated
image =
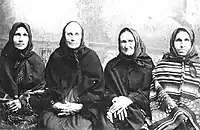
<point x="182" y="50"/>
<point x="20" y="44"/>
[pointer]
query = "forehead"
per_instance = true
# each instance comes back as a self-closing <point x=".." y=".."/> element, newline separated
<point x="182" y="34"/>
<point x="126" y="35"/>
<point x="73" y="27"/>
<point x="21" y="30"/>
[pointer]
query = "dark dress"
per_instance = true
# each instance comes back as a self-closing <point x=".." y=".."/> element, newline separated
<point x="21" y="77"/>
<point x="130" y="76"/>
<point x="74" y="76"/>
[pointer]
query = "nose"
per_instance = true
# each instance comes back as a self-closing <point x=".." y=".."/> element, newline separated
<point x="182" y="44"/>
<point x="20" y="39"/>
<point x="72" y="39"/>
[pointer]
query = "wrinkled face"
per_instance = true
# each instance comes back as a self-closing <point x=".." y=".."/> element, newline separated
<point x="20" y="38"/>
<point x="127" y="43"/>
<point x="73" y="35"/>
<point x="182" y="43"/>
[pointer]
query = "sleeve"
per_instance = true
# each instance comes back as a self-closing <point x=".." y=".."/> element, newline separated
<point x="141" y="96"/>
<point x="92" y="87"/>
<point x="52" y="93"/>
<point x="32" y="97"/>
<point x="109" y="85"/>
<point x="3" y="95"/>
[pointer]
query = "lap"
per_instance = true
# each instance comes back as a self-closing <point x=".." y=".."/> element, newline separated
<point x="71" y="122"/>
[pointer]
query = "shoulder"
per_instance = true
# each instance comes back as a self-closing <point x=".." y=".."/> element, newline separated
<point x="56" y="56"/>
<point x="36" y="60"/>
<point x="90" y="54"/>
<point x="2" y="60"/>
<point x="35" y="57"/>
<point x="112" y="63"/>
<point x="167" y="63"/>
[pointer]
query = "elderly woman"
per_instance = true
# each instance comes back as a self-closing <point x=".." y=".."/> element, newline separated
<point x="175" y="92"/>
<point x="128" y="77"/>
<point x="74" y="78"/>
<point x="21" y="80"/>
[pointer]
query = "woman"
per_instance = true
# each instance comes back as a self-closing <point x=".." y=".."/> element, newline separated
<point x="128" y="78"/>
<point x="21" y="80"/>
<point x="175" y="92"/>
<point x="74" y="78"/>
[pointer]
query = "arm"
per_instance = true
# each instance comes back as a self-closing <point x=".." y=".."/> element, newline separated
<point x="109" y="86"/>
<point x="140" y="97"/>
<point x="52" y="94"/>
<point x="32" y="97"/>
<point x="92" y="90"/>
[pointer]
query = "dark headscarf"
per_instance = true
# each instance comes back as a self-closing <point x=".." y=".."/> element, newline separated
<point x="10" y="51"/>
<point x="140" y="56"/>
<point x="63" y="43"/>
<point x="18" y="57"/>
<point x="191" y="56"/>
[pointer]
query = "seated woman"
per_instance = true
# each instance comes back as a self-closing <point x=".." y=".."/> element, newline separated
<point x="21" y="80"/>
<point x="128" y="77"/>
<point x="75" y="82"/>
<point x="175" y="92"/>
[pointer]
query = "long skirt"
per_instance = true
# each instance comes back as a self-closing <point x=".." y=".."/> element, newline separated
<point x="21" y="120"/>
<point x="71" y="122"/>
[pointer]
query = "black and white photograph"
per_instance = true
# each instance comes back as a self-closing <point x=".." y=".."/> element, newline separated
<point x="99" y="64"/>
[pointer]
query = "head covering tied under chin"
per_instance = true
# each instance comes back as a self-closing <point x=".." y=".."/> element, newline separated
<point x="191" y="56"/>
<point x="139" y="56"/>
<point x="11" y="51"/>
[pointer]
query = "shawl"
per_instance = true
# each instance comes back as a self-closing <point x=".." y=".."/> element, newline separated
<point x="191" y="56"/>
<point x="19" y="57"/>
<point x="140" y="57"/>
<point x="78" y="69"/>
<point x="174" y="95"/>
<point x="18" y="63"/>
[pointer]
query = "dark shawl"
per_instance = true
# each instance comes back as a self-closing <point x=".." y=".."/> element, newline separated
<point x="20" y="70"/>
<point x="21" y="76"/>
<point x="130" y="76"/>
<point x="79" y="69"/>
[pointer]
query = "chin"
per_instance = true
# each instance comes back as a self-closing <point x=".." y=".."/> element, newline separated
<point x="20" y="48"/>
<point x="182" y="54"/>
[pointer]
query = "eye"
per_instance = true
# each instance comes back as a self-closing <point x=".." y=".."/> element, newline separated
<point x="17" y="34"/>
<point x="187" y="39"/>
<point x="25" y="34"/>
<point x="130" y="40"/>
<point x="77" y="34"/>
<point x="178" y="40"/>
<point x="69" y="34"/>
<point x="123" y="41"/>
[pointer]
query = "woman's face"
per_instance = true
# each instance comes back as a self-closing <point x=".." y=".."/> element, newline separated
<point x="20" y="38"/>
<point x="73" y="35"/>
<point x="127" y="43"/>
<point x="182" y="43"/>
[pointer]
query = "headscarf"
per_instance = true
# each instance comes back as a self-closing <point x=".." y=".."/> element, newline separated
<point x="73" y="54"/>
<point x="191" y="56"/>
<point x="18" y="57"/>
<point x="139" y="56"/>
<point x="10" y="51"/>
<point x="63" y="43"/>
